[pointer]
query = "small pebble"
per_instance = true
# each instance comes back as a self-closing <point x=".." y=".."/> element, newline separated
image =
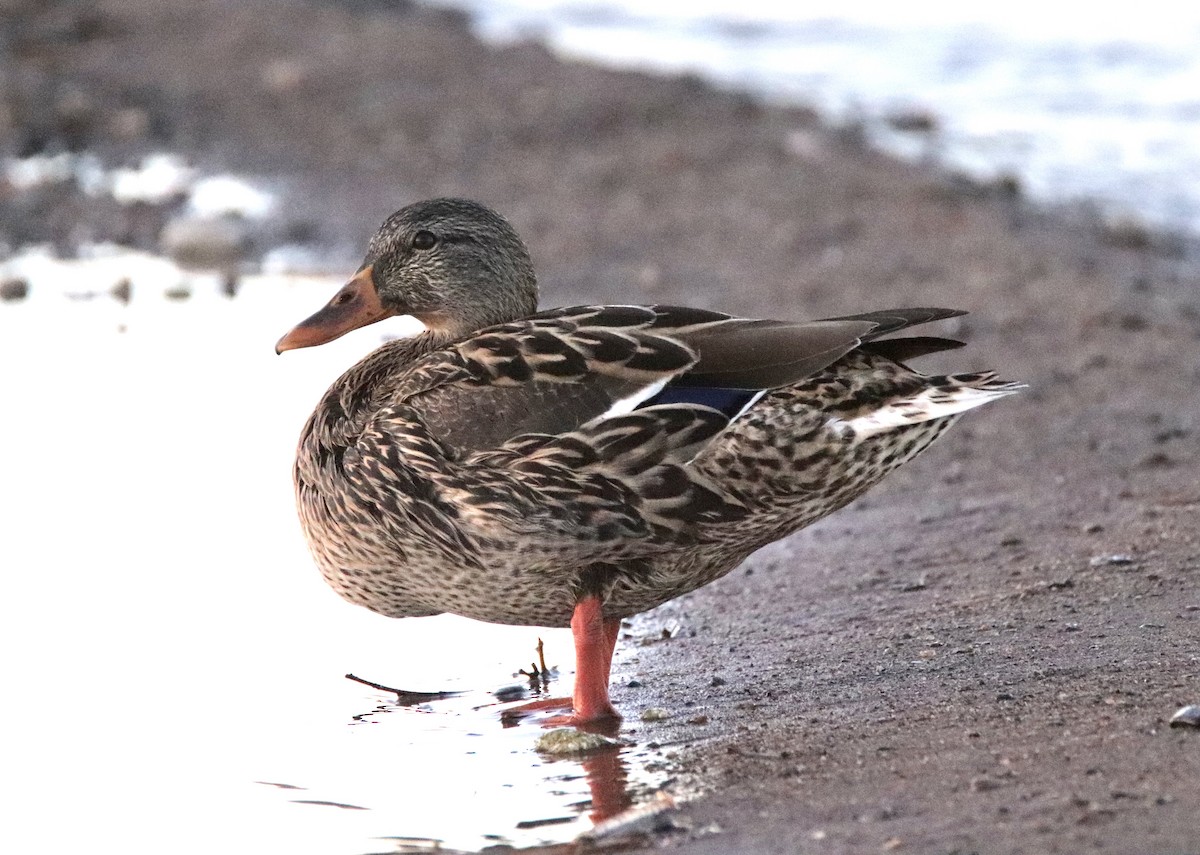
<point x="1188" y="716"/>
<point x="655" y="714"/>
<point x="1119" y="560"/>
<point x="206" y="243"/>
<point x="718" y="681"/>
<point x="566" y="740"/>
<point x="506" y="694"/>
<point x="122" y="291"/>
<point x="12" y="290"/>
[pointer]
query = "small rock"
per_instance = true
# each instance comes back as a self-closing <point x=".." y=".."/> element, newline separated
<point x="699" y="719"/>
<point x="1007" y="186"/>
<point x="565" y="741"/>
<point x="130" y="123"/>
<point x="283" y="76"/>
<point x="206" y="243"/>
<point x="1157" y="459"/>
<point x="122" y="291"/>
<point x="655" y="714"/>
<point x="506" y="694"/>
<point x="913" y="120"/>
<point x="1188" y="716"/>
<point x="1127" y="233"/>
<point x="1115" y="560"/>
<point x="12" y="290"/>
<point x="717" y="681"/>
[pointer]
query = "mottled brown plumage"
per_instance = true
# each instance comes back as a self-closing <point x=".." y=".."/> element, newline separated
<point x="510" y="466"/>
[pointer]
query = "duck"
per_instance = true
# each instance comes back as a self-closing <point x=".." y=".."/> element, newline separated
<point x="577" y="466"/>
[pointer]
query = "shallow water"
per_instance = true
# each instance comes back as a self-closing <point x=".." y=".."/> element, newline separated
<point x="175" y="663"/>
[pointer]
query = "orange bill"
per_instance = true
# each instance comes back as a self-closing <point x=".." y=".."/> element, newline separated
<point x="355" y="305"/>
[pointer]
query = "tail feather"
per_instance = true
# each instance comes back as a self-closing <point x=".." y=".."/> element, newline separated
<point x="944" y="396"/>
<point x="910" y="347"/>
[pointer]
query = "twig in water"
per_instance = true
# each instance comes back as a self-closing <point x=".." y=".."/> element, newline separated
<point x="405" y="697"/>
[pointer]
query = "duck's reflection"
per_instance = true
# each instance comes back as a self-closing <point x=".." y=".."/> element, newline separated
<point x="604" y="768"/>
<point x="606" y="773"/>
<point x="608" y="780"/>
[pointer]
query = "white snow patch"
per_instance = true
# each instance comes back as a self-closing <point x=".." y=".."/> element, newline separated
<point x="99" y="269"/>
<point x="28" y="172"/>
<point x="160" y="178"/>
<point x="225" y="194"/>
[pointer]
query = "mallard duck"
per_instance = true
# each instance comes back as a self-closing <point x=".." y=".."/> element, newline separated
<point x="580" y="465"/>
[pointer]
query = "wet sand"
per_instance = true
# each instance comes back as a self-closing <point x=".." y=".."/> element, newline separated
<point x="980" y="655"/>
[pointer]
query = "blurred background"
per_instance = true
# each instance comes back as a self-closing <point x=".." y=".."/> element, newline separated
<point x="281" y="139"/>
<point x="181" y="182"/>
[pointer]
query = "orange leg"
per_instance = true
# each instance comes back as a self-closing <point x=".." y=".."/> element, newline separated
<point x="595" y="640"/>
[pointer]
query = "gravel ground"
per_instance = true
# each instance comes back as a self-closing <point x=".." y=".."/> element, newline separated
<point x="979" y="656"/>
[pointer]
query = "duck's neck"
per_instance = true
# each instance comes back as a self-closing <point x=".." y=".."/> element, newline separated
<point x="465" y="320"/>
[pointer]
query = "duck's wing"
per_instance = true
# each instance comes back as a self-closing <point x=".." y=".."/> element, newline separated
<point x="554" y="372"/>
<point x="575" y="426"/>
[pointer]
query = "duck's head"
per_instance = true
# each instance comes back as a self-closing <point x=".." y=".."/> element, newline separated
<point x="455" y="265"/>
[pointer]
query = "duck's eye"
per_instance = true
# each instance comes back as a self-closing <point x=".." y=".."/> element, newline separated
<point x="424" y="240"/>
